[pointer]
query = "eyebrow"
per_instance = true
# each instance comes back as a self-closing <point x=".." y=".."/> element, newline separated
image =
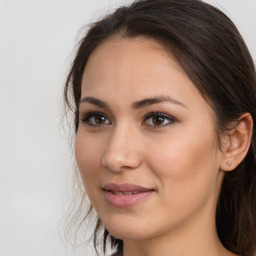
<point x="155" y="100"/>
<point x="136" y="105"/>
<point x="94" y="101"/>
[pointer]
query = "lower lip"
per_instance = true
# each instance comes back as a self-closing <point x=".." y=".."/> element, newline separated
<point x="126" y="200"/>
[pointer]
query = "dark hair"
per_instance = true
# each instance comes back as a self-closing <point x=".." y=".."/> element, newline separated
<point x="213" y="54"/>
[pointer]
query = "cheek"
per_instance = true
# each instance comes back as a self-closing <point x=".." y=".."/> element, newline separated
<point x="186" y="166"/>
<point x="87" y="155"/>
<point x="88" y="152"/>
<point x="183" y="153"/>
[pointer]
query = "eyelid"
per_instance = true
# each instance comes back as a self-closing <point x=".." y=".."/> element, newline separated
<point x="158" y="114"/>
<point x="84" y="118"/>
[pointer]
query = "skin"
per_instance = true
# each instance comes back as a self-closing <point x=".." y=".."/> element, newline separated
<point x="179" y="158"/>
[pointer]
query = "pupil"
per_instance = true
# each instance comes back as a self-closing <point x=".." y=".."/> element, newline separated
<point x="100" y="119"/>
<point x="157" y="120"/>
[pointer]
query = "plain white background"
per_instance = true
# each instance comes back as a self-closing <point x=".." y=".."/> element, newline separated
<point x="36" y="42"/>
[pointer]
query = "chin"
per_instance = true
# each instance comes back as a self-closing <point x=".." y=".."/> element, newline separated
<point x="130" y="229"/>
<point x="128" y="234"/>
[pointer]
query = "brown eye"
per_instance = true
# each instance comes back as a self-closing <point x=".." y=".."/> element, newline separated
<point x="158" y="120"/>
<point x="100" y="119"/>
<point x="95" y="119"/>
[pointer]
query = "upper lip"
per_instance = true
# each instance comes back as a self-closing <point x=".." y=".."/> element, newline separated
<point x="125" y="187"/>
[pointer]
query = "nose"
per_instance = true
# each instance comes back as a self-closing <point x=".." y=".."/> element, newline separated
<point x="122" y="151"/>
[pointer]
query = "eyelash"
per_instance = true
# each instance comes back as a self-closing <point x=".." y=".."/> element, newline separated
<point x="86" y="119"/>
<point x="163" y="116"/>
<point x="166" y="119"/>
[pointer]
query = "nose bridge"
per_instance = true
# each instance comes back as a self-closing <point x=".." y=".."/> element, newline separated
<point x="121" y="149"/>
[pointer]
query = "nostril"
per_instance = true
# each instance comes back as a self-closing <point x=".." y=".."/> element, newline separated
<point x="118" y="161"/>
<point x="121" y="153"/>
<point x="113" y="163"/>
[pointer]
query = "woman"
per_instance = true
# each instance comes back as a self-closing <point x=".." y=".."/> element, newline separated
<point x="164" y="96"/>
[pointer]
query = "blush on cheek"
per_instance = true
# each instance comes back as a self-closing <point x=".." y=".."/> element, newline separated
<point x="88" y="160"/>
<point x="179" y="158"/>
<point x="81" y="155"/>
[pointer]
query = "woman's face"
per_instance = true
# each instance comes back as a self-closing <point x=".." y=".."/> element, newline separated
<point x="146" y="142"/>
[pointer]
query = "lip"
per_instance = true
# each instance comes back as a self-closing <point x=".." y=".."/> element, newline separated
<point x="125" y="195"/>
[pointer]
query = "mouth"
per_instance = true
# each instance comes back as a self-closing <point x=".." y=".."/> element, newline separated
<point x="125" y="195"/>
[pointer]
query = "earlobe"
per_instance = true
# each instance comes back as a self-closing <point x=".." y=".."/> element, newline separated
<point x="237" y="143"/>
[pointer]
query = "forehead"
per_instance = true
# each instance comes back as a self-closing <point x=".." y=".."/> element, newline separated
<point x="131" y="69"/>
<point x="138" y="59"/>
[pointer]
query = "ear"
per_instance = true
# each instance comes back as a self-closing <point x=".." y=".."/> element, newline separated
<point x="236" y="143"/>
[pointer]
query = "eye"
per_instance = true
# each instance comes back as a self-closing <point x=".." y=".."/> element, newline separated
<point x="158" y="120"/>
<point x="95" y="119"/>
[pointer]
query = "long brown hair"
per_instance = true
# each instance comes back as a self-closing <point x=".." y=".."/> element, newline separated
<point x="213" y="54"/>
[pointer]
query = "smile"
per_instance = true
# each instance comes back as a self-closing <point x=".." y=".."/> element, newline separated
<point x="125" y="195"/>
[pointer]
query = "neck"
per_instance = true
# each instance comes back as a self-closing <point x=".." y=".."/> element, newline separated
<point x="198" y="237"/>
